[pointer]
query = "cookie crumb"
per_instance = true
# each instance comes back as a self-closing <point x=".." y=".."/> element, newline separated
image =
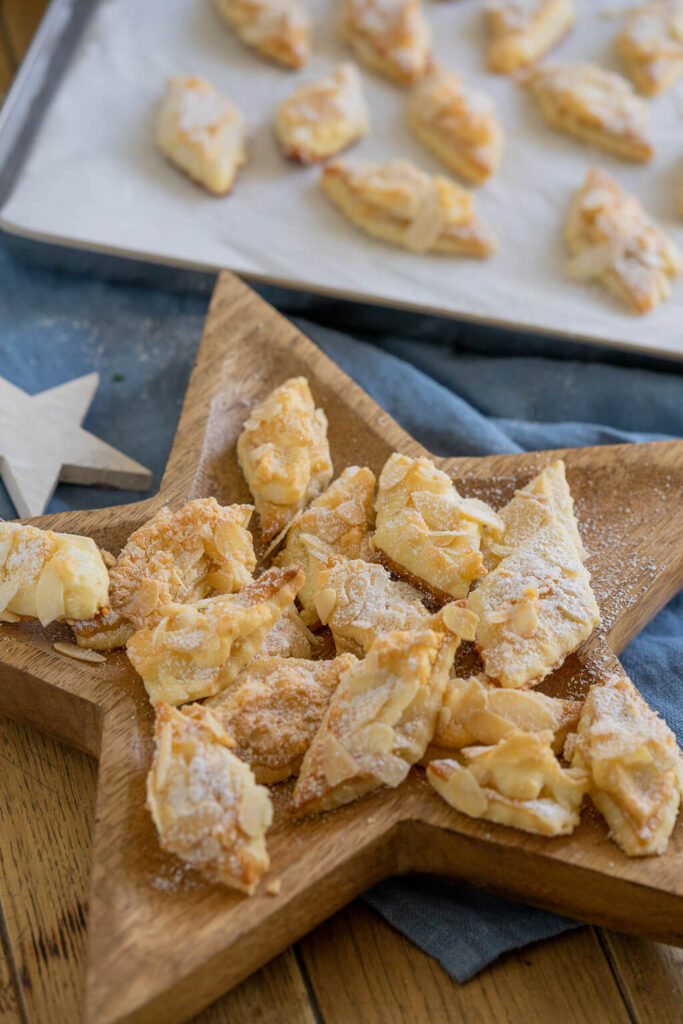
<point x="273" y="888"/>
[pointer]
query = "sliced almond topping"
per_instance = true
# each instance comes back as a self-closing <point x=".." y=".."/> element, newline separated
<point x="338" y="764"/>
<point x="524" y="619"/>
<point x="459" y="620"/>
<point x="49" y="597"/>
<point x="273" y="888"/>
<point x="479" y="512"/>
<point x="9" y="617"/>
<point x="79" y="653"/>
<point x="460" y="788"/>
<point x="402" y="696"/>
<point x="376" y="738"/>
<point x="488" y="727"/>
<point x="325" y="603"/>
<point x="255" y="811"/>
<point x="146" y="598"/>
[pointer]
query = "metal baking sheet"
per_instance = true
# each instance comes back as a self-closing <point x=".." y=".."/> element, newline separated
<point x="93" y="180"/>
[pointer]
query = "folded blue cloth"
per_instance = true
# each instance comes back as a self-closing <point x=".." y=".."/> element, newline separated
<point x="459" y="389"/>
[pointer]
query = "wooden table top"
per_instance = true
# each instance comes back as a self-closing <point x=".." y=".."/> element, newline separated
<point x="354" y="968"/>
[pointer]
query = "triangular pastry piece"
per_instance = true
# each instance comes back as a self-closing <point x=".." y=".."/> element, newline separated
<point x="545" y="498"/>
<point x="274" y="708"/>
<point x="651" y="45"/>
<point x="475" y="710"/>
<point x="201" y="550"/>
<point x="284" y="454"/>
<point x="595" y="105"/>
<point x="204" y="801"/>
<point x="634" y="765"/>
<point x="290" y="637"/>
<point x="613" y="241"/>
<point x="534" y="609"/>
<point x="198" y="649"/>
<point x="521" y="31"/>
<point x="50" y="576"/>
<point x="201" y="133"/>
<point x="382" y="715"/>
<point x="323" y="117"/>
<point x="338" y="522"/>
<point x="401" y="204"/>
<point x="517" y="782"/>
<point x="278" y="29"/>
<point x="426" y="532"/>
<point x="392" y="37"/>
<point x="456" y="123"/>
<point x="359" y="602"/>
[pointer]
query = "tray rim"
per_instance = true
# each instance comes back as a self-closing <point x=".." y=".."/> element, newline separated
<point x="160" y="260"/>
<point x="57" y="48"/>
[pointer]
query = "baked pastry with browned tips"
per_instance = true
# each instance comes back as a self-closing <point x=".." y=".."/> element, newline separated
<point x="596" y="106"/>
<point x="336" y="523"/>
<point x="359" y="602"/>
<point x="613" y="241"/>
<point x="475" y="710"/>
<point x="456" y="123"/>
<point x="274" y="708"/>
<point x="202" y="133"/>
<point x="651" y="45"/>
<point x="278" y="29"/>
<point x="198" y="649"/>
<point x="201" y="550"/>
<point x="401" y="204"/>
<point x="204" y="801"/>
<point x="392" y="37"/>
<point x="521" y="31"/>
<point x="634" y="765"/>
<point x="534" y="609"/>
<point x="427" y="532"/>
<point x="546" y="498"/>
<point x="323" y="117"/>
<point x="50" y="576"/>
<point x="284" y="454"/>
<point x="517" y="782"/>
<point x="382" y="714"/>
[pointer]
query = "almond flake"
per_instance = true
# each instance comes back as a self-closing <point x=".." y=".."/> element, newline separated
<point x="79" y="653"/>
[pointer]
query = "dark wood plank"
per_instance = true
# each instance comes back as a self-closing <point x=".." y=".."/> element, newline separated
<point x="362" y="970"/>
<point x="46" y="815"/>
<point x="650" y="975"/>
<point x="10" y="1012"/>
<point x="47" y="798"/>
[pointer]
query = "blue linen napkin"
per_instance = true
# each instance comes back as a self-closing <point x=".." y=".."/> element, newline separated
<point x="459" y="389"/>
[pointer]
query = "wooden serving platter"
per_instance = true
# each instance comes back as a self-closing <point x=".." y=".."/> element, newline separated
<point x="161" y="943"/>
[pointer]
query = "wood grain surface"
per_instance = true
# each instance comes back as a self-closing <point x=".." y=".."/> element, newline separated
<point x="328" y="976"/>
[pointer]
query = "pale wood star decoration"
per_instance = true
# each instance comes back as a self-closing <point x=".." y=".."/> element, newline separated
<point x="42" y="442"/>
<point x="162" y="942"/>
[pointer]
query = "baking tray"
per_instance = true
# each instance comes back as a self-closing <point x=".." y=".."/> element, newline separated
<point x="39" y="79"/>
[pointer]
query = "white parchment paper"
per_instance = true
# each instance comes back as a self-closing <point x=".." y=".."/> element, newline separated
<point x="95" y="178"/>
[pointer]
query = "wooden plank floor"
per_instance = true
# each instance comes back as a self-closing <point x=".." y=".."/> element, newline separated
<point x="354" y="968"/>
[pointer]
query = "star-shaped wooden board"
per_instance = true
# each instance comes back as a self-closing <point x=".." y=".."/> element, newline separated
<point x="161" y="942"/>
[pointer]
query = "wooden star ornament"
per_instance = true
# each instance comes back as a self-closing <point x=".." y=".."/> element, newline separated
<point x="42" y="442"/>
<point x="162" y="943"/>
